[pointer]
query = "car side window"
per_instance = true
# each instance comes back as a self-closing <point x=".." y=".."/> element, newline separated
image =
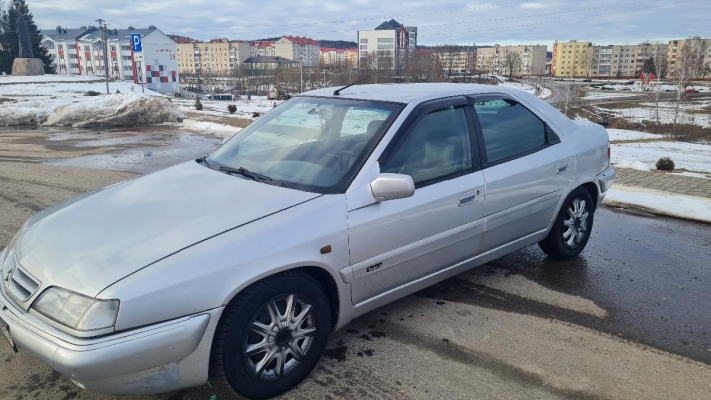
<point x="437" y="147"/>
<point x="509" y="129"/>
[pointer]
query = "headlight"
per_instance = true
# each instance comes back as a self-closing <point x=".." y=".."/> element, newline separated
<point x="77" y="311"/>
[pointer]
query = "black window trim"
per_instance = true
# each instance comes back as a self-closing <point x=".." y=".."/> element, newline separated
<point x="416" y="115"/>
<point x="551" y="136"/>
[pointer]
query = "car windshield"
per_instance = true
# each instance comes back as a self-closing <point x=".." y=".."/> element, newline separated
<point x="307" y="143"/>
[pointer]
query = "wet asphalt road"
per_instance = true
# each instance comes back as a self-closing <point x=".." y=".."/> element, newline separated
<point x="651" y="274"/>
<point x="523" y="326"/>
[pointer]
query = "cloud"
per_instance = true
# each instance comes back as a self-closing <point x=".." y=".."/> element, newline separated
<point x="534" y="6"/>
<point x="443" y="21"/>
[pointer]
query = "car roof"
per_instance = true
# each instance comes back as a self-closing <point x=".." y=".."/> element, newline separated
<point x="409" y="92"/>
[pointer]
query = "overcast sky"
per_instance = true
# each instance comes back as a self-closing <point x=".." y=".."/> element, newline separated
<point x="438" y="21"/>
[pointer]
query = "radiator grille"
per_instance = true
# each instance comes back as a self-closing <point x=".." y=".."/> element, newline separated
<point x="20" y="284"/>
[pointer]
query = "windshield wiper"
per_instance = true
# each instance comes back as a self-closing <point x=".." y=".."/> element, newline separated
<point x="203" y="161"/>
<point x="249" y="174"/>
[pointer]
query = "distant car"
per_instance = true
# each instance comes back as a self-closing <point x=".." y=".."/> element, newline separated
<point x="691" y="91"/>
<point x="587" y="80"/>
<point x="329" y="206"/>
<point x="629" y="83"/>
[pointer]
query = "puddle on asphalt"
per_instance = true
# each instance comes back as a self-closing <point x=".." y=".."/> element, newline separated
<point x="145" y="151"/>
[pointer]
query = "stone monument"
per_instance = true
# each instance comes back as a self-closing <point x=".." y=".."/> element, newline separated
<point x="25" y="64"/>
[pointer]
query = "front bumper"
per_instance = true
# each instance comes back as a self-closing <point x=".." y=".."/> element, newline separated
<point x="154" y="359"/>
<point x="604" y="181"/>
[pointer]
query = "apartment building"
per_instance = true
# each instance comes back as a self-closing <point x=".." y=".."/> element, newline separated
<point x="572" y="59"/>
<point x="492" y="59"/>
<point x="216" y="57"/>
<point x="331" y="56"/>
<point x="80" y="51"/>
<point x="262" y="49"/>
<point x="457" y="60"/>
<point x="298" y="49"/>
<point x="701" y="49"/>
<point x="387" y="46"/>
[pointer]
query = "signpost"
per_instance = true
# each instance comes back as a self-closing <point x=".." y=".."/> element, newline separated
<point x="137" y="47"/>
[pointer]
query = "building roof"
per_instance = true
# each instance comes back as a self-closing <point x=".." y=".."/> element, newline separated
<point x="262" y="44"/>
<point x="330" y="49"/>
<point x="268" y="60"/>
<point x="301" y="40"/>
<point x="388" y="25"/>
<point x="91" y="34"/>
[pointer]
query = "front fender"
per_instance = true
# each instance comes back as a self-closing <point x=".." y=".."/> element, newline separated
<point x="209" y="274"/>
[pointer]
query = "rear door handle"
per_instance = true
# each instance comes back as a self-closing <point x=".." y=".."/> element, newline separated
<point x="562" y="167"/>
<point x="469" y="197"/>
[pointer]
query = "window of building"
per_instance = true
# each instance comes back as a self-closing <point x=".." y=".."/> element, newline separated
<point x="113" y="48"/>
<point x="72" y="47"/>
<point x="86" y="48"/>
<point x="509" y="129"/>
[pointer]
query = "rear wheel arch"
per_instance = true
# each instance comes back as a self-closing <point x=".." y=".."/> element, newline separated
<point x="592" y="188"/>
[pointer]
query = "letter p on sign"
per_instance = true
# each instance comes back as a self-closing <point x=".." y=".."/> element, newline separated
<point x="136" y="42"/>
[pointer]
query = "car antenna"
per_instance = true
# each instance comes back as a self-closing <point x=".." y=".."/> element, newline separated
<point x="338" y="91"/>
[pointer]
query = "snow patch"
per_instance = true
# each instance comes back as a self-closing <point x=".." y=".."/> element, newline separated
<point x="675" y="205"/>
<point x="211" y="128"/>
<point x="623" y="134"/>
<point x="689" y="156"/>
<point x="638" y="165"/>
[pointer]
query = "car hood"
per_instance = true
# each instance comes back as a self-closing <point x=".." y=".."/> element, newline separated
<point x="90" y="242"/>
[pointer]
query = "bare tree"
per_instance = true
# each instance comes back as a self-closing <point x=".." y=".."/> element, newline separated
<point x="512" y="62"/>
<point x="589" y="61"/>
<point x="688" y="65"/>
<point x="567" y="94"/>
<point x="425" y="67"/>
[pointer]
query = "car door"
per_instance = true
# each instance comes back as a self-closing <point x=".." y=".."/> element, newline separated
<point x="393" y="243"/>
<point x="526" y="167"/>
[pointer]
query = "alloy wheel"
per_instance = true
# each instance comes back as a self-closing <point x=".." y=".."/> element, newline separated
<point x="278" y="337"/>
<point x="575" y="223"/>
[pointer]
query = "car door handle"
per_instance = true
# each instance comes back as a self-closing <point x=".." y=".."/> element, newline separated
<point x="562" y="167"/>
<point x="469" y="197"/>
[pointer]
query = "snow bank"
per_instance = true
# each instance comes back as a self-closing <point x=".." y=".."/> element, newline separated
<point x="656" y="202"/>
<point x="211" y="128"/>
<point x="25" y="113"/>
<point x="116" y="110"/>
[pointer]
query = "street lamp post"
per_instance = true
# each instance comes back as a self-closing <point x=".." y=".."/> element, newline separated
<point x="301" y="72"/>
<point x="102" y="26"/>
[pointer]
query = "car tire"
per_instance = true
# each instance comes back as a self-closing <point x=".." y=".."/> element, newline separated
<point x="571" y="229"/>
<point x="251" y="324"/>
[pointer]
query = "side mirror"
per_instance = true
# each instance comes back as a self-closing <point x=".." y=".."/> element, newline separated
<point x="392" y="186"/>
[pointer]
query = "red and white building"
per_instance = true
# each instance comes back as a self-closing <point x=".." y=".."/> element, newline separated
<point x="331" y="56"/>
<point x="299" y="49"/>
<point x="81" y="52"/>
<point x="261" y="49"/>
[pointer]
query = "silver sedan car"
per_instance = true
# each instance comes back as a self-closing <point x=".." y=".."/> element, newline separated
<point x="333" y="204"/>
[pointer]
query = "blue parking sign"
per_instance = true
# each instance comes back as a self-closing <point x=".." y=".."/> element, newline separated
<point x="136" y="43"/>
